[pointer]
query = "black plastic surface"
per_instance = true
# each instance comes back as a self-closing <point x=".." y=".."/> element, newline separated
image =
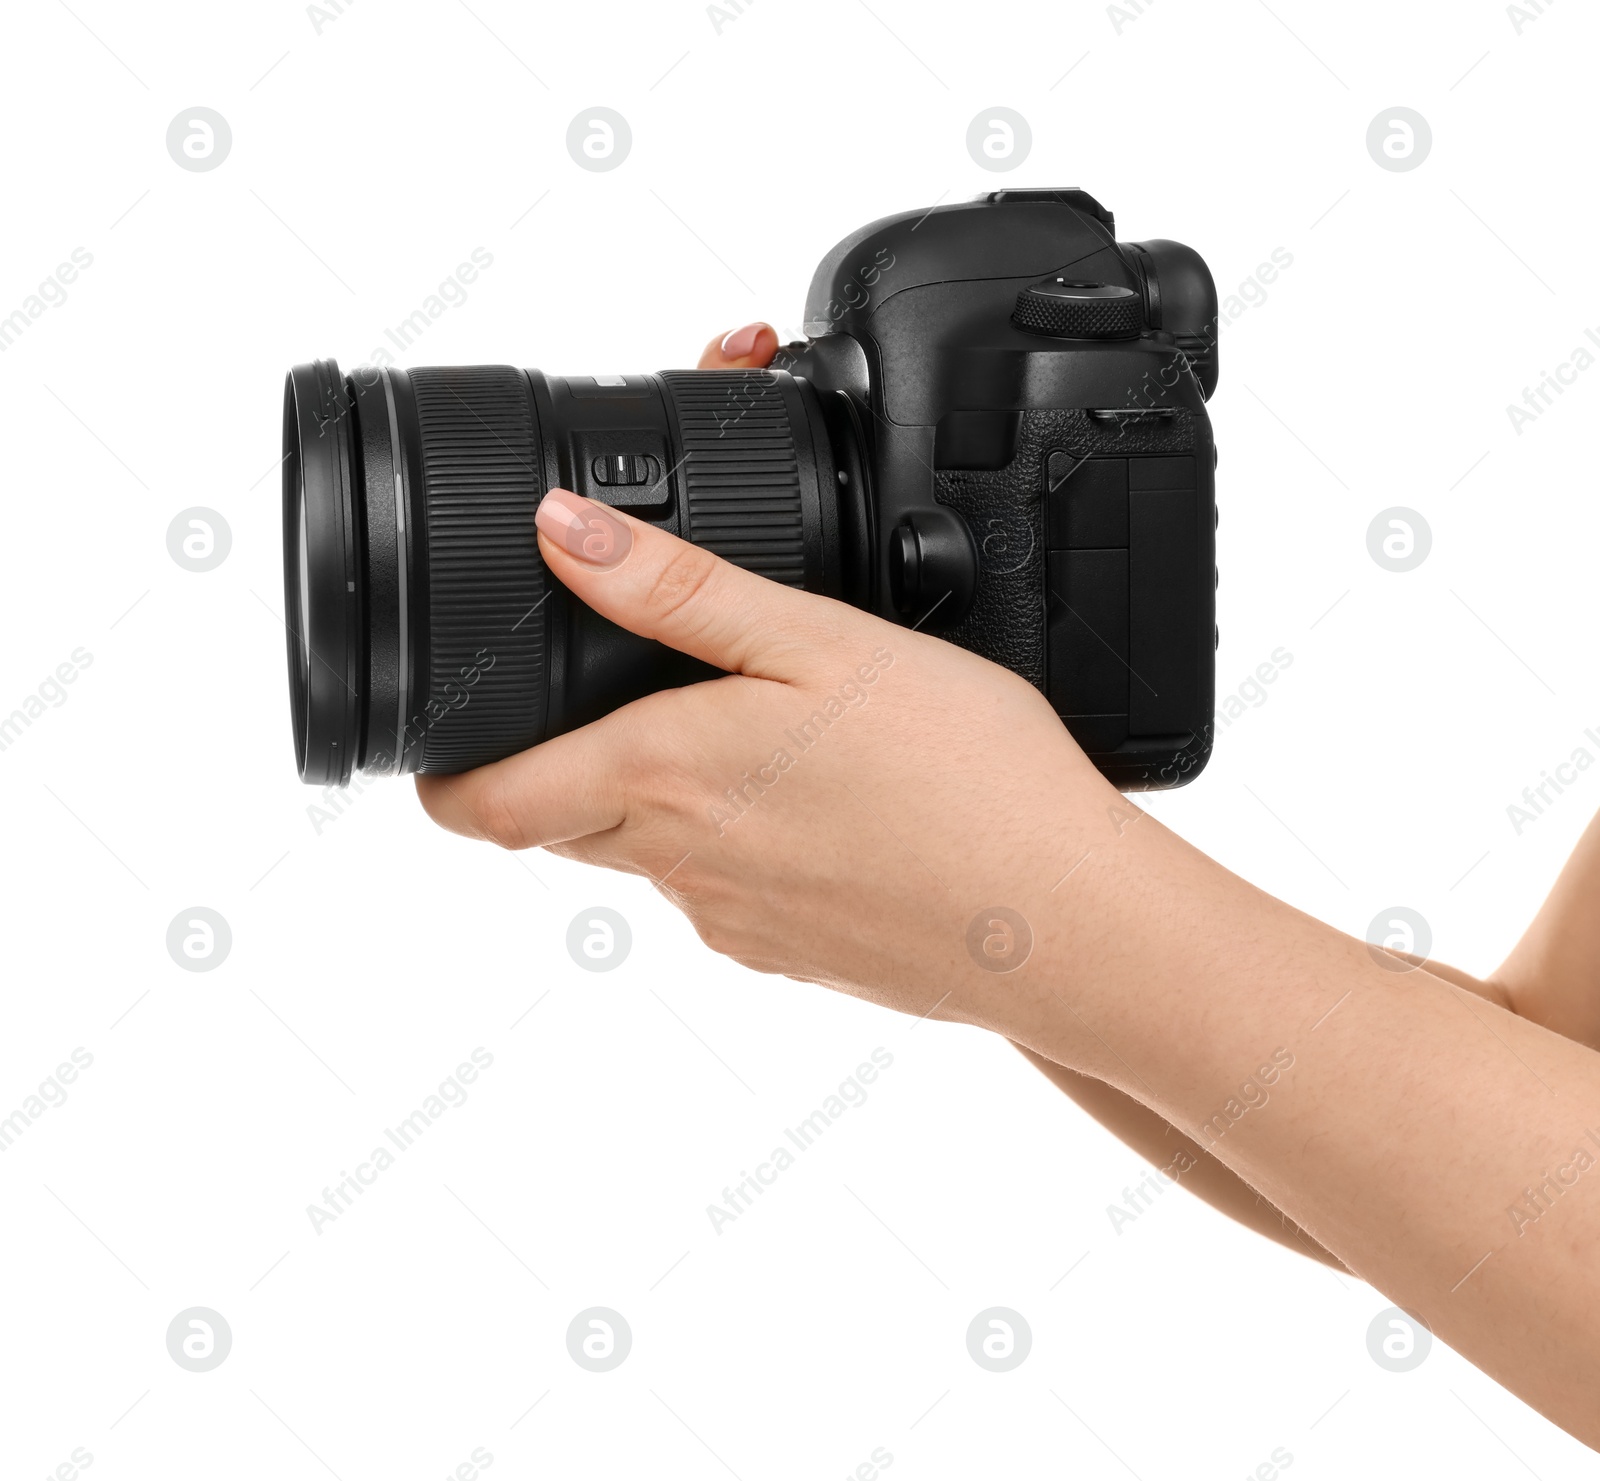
<point x="1041" y="490"/>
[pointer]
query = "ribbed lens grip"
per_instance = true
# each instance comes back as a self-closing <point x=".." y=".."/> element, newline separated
<point x="487" y="664"/>
<point x="741" y="469"/>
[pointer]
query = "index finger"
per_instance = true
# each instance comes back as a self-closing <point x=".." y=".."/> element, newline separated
<point x="749" y="348"/>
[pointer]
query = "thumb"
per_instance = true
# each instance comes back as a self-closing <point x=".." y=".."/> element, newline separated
<point x="661" y="587"/>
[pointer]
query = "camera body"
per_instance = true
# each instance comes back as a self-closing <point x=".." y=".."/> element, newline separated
<point x="996" y="431"/>
<point x="1032" y="400"/>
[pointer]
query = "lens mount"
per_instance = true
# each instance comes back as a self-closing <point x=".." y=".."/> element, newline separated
<point x="322" y="572"/>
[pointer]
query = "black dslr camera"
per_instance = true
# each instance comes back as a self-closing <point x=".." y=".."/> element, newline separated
<point x="996" y="431"/>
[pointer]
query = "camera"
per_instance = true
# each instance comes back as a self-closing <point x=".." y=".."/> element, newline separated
<point x="995" y="430"/>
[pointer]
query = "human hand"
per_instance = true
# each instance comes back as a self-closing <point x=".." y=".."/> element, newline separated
<point x="933" y="790"/>
<point x="841" y="809"/>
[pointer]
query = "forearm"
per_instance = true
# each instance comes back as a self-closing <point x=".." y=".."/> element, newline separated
<point x="1179" y="1157"/>
<point x="1162" y="1144"/>
<point x="1403" y="1123"/>
<point x="1553" y="974"/>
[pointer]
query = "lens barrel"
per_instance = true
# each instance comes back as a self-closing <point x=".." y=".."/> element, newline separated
<point x="425" y="632"/>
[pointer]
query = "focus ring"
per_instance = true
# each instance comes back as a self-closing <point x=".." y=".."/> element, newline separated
<point x="740" y="472"/>
<point x="487" y="666"/>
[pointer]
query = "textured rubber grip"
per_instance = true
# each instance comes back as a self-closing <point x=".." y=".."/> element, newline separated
<point x="487" y="663"/>
<point x="741" y="469"/>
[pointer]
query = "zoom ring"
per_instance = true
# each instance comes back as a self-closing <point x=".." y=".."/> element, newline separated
<point x="486" y="640"/>
<point x="741" y="470"/>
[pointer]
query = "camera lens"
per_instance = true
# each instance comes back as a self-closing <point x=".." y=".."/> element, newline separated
<point x="425" y="632"/>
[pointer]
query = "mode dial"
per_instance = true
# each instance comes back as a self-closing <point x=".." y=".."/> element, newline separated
<point x="1071" y="309"/>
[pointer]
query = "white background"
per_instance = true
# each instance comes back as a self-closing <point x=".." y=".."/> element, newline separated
<point x="368" y="960"/>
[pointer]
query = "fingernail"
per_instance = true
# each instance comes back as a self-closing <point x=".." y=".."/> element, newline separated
<point x="584" y="529"/>
<point x="737" y="343"/>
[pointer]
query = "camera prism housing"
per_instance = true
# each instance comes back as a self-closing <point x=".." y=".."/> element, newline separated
<point x="996" y="431"/>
